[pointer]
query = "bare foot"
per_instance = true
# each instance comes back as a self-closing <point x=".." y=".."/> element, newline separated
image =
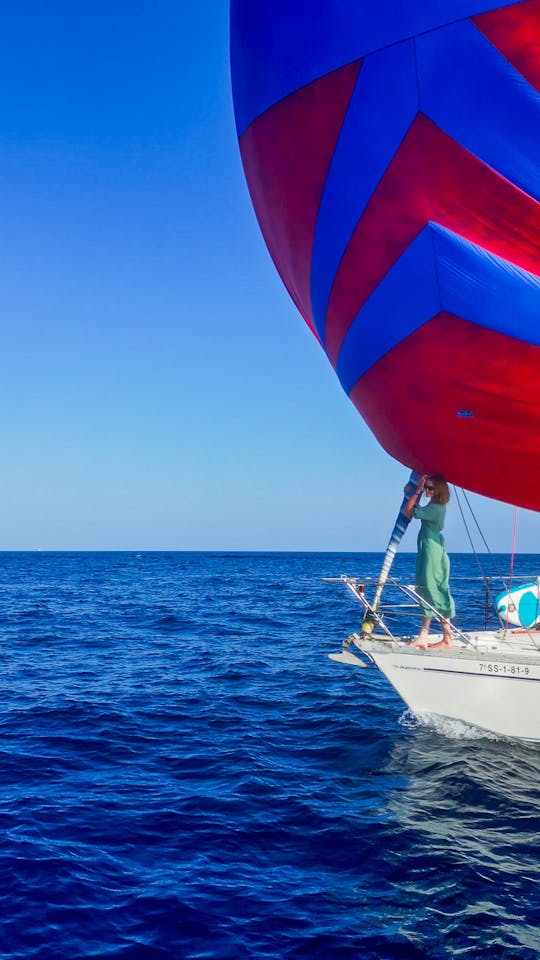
<point x="421" y="641"/>
<point x="445" y="642"/>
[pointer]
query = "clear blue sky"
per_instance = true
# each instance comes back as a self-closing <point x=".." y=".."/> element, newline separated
<point x="159" y="389"/>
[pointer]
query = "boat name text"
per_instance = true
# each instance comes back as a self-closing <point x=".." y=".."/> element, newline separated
<point x="512" y="669"/>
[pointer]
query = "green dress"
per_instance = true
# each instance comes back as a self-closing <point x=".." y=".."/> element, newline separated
<point x="432" y="563"/>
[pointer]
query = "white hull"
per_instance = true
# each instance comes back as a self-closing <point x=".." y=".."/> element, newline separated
<point x="495" y="686"/>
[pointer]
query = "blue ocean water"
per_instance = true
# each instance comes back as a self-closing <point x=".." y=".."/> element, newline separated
<point x="185" y="774"/>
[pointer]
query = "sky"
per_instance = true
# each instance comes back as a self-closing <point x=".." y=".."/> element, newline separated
<point x="160" y="391"/>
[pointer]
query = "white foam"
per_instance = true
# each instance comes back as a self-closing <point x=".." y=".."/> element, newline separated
<point x="445" y="726"/>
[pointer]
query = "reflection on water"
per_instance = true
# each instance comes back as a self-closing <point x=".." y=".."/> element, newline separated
<point x="469" y="804"/>
<point x="186" y="774"/>
<point x="502" y="774"/>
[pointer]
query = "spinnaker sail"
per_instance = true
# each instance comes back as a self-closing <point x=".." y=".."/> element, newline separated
<point x="392" y="153"/>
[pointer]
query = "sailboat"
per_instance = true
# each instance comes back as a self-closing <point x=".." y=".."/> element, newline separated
<point x="487" y="678"/>
<point x="392" y="154"/>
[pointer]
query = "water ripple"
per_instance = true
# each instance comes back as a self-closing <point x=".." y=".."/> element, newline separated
<point x="186" y="775"/>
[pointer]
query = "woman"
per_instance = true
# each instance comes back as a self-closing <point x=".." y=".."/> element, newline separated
<point x="432" y="563"/>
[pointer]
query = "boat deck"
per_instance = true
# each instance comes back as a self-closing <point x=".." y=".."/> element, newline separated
<point x="505" y="644"/>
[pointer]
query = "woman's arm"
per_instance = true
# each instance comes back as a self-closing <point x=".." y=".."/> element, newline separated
<point x="411" y="503"/>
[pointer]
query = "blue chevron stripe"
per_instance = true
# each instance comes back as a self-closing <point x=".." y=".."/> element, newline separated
<point x="278" y="46"/>
<point x="485" y="289"/>
<point x="407" y="298"/>
<point x="470" y="90"/>
<point x="369" y="138"/>
<point x="440" y="271"/>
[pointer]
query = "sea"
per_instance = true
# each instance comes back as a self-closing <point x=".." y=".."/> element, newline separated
<point x="185" y="774"/>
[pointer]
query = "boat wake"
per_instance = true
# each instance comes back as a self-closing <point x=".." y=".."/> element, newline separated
<point x="446" y="727"/>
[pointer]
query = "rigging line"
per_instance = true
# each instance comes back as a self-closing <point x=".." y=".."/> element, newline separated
<point x="467" y="531"/>
<point x="512" y="557"/>
<point x="486" y="579"/>
<point x="476" y="522"/>
<point x="508" y="587"/>
<point x="516" y="509"/>
<point x="486" y="544"/>
<point x="492" y="555"/>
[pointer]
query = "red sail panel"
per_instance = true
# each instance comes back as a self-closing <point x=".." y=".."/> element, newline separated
<point x="515" y="31"/>
<point x="415" y="392"/>
<point x="286" y="154"/>
<point x="433" y="179"/>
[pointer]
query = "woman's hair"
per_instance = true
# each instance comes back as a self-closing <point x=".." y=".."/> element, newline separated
<point x="441" y="493"/>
